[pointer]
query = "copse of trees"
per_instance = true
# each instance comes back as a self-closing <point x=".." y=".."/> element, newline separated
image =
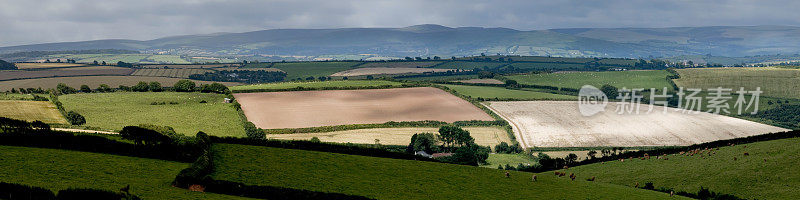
<point x="454" y="140"/>
<point x="184" y="86"/>
<point x="64" y="89"/>
<point x="7" y="65"/>
<point x="245" y="76"/>
<point x="503" y="147"/>
<point x="75" y="119"/>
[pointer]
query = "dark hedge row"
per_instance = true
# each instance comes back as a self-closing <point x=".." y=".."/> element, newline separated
<point x="15" y="191"/>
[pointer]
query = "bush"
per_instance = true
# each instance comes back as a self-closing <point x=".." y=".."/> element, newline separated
<point x="141" y="87"/>
<point x="253" y="132"/>
<point x="155" y="86"/>
<point x="86" y="89"/>
<point x="184" y="86"/>
<point x="64" y="89"/>
<point x="75" y="119"/>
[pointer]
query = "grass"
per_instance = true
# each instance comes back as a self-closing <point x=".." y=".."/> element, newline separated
<point x="775" y="82"/>
<point x="31" y="111"/>
<point x="749" y="177"/>
<point x="316" y="84"/>
<point x="507" y="159"/>
<point x="17" y="96"/>
<point x="630" y="79"/>
<point x="303" y="70"/>
<point x="465" y="65"/>
<point x="61" y="169"/>
<point x="441" y="78"/>
<point x="113" y="111"/>
<point x="503" y="93"/>
<point x="384" y="178"/>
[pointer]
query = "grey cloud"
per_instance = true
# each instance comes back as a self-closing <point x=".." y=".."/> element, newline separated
<point x="37" y="21"/>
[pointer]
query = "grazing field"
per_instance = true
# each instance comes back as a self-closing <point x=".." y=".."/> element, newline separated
<point x="303" y="70"/>
<point x="31" y="111"/>
<point x="484" y="136"/>
<point x="630" y="79"/>
<point x="766" y="173"/>
<point x="112" y="111"/>
<point x="46" y="65"/>
<point x="440" y="78"/>
<point x="775" y="82"/>
<point x="482" y="81"/>
<point x="93" y="81"/>
<point x="61" y="169"/>
<point x="384" y="178"/>
<point x="469" y="65"/>
<point x="270" y="110"/>
<point x="175" y="73"/>
<point x="399" y="64"/>
<point x="503" y="93"/>
<point x="20" y="74"/>
<point x="560" y="124"/>
<point x="316" y="85"/>
<point x="548" y="66"/>
<point x="386" y="70"/>
<point x="512" y="160"/>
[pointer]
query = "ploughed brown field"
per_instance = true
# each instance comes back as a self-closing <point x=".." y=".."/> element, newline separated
<point x="298" y="109"/>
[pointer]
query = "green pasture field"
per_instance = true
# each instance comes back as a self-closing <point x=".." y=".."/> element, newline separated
<point x="441" y="78"/>
<point x="31" y="111"/>
<point x="775" y="82"/>
<point x="113" y="111"/>
<point x="503" y="93"/>
<point x="630" y="79"/>
<point x="465" y="65"/>
<point x="315" y="84"/>
<point x="176" y="73"/>
<point x="508" y="159"/>
<point x="62" y="169"/>
<point x="385" y="178"/>
<point x="764" y="174"/>
<point x="548" y="66"/>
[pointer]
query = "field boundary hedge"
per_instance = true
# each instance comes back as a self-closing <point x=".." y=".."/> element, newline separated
<point x="300" y="88"/>
<point x="20" y="191"/>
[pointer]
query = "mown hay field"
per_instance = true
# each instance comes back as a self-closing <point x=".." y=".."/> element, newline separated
<point x="62" y="169"/>
<point x="630" y="79"/>
<point x="503" y="93"/>
<point x="484" y="136"/>
<point x="775" y="82"/>
<point x="316" y="85"/>
<point x="560" y="124"/>
<point x="93" y="81"/>
<point x="113" y="111"/>
<point x="766" y="173"/>
<point x="31" y="111"/>
<point x="299" y="109"/>
<point x="384" y="178"/>
<point x="386" y="70"/>
<point x="175" y="73"/>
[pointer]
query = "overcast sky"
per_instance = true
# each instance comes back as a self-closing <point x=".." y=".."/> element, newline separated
<point x="38" y="21"/>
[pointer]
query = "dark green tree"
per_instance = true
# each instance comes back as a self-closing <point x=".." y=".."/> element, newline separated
<point x="184" y="86"/>
<point x="155" y="86"/>
<point x="609" y="90"/>
<point x="141" y="87"/>
<point x="86" y="89"/>
<point x="75" y="119"/>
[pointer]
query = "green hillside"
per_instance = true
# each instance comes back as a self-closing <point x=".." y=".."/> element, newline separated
<point x="385" y="178"/>
<point x="630" y="79"/>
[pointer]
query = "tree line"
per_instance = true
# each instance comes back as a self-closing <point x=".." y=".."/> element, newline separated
<point x="244" y="76"/>
<point x="450" y="139"/>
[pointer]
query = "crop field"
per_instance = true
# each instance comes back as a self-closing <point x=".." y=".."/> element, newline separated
<point x="482" y="80"/>
<point x="484" y="136"/>
<point x="90" y="68"/>
<point x="175" y="73"/>
<point x="93" y="81"/>
<point x="399" y="64"/>
<point x="441" y="78"/>
<point x="61" y="169"/>
<point x="503" y="93"/>
<point x="247" y="69"/>
<point x="762" y="174"/>
<point x="270" y="110"/>
<point x="112" y="111"/>
<point x="775" y="82"/>
<point x="384" y="178"/>
<point x="465" y="65"/>
<point x="630" y="79"/>
<point x="560" y="124"/>
<point x="386" y="70"/>
<point x="316" y="85"/>
<point x="46" y="65"/>
<point x="316" y="69"/>
<point x="20" y="74"/>
<point x="31" y="111"/>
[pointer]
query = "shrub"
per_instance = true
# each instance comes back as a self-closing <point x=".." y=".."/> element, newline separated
<point x="184" y="86"/>
<point x="315" y="139"/>
<point x="253" y="132"/>
<point x="64" y="89"/>
<point x="75" y="119"/>
<point x="86" y="89"/>
<point x="141" y="87"/>
<point x="155" y="86"/>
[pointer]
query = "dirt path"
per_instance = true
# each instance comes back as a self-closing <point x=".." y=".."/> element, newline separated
<point x="514" y="127"/>
<point x="83" y="131"/>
